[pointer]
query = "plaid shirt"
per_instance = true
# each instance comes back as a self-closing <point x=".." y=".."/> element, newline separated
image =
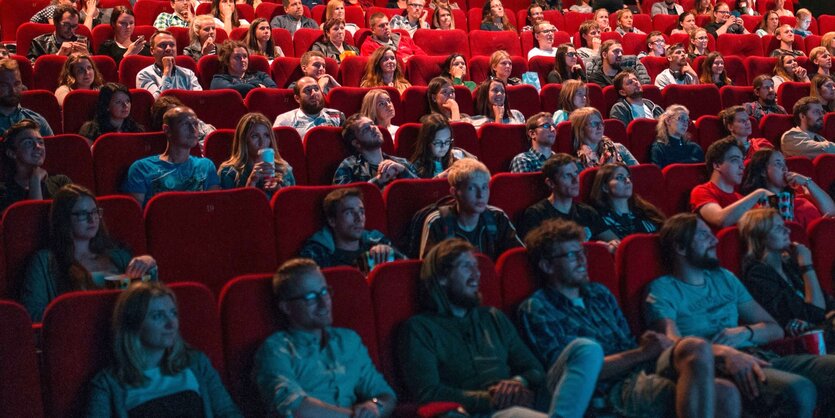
<point x="528" y="161"/>
<point x="355" y="168"/>
<point x="756" y="110"/>
<point x="167" y="20"/>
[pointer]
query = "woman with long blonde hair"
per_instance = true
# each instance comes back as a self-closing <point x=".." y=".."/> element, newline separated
<point x="377" y="106"/>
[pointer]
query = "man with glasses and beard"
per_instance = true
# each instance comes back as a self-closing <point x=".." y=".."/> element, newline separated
<point x="310" y="368"/>
<point x="542" y="132"/>
<point x="602" y="69"/>
<point x="632" y="104"/>
<point x="369" y="163"/>
<point x="312" y="111"/>
<point x="766" y="98"/>
<point x="11" y="111"/>
<point x="804" y="139"/>
<point x="699" y="298"/>
<point x="64" y="40"/>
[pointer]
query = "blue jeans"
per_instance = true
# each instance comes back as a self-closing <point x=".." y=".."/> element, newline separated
<point x="573" y="378"/>
<point x="797" y="384"/>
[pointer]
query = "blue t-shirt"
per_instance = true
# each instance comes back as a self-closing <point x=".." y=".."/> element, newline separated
<point x="152" y="175"/>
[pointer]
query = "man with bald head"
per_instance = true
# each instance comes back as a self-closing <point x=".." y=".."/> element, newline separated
<point x="312" y="111"/>
<point x="164" y="74"/>
<point x="175" y="169"/>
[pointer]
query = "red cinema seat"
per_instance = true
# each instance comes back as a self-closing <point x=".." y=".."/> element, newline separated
<point x="573" y="20"/>
<point x="209" y="65"/>
<point x="405" y="139"/>
<point x="826" y="23"/>
<point x="403" y="198"/>
<point x="237" y="223"/>
<point x="736" y="95"/>
<point x="414" y="102"/>
<point x="349" y="99"/>
<point x="773" y="126"/>
<point x="304" y="38"/>
<point x="499" y="143"/>
<point x="514" y="192"/>
<point x="282" y="39"/>
<point x="113" y="154"/>
<point x="634" y="43"/>
<point x="710" y="130"/>
<point x="789" y="92"/>
<point x="800" y="165"/>
<point x="28" y="31"/>
<point x="664" y="23"/>
<point x="542" y="66"/>
<point x="479" y="67"/>
<point x="646" y="178"/>
<point x="524" y="98"/>
<point x="285" y="70"/>
<point x="15" y="14"/>
<point x="638" y="262"/>
<point x="655" y="66"/>
<point x="324" y="150"/>
<point x="641" y="133"/>
<point x="82" y="104"/>
<point x="221" y="108"/>
<point x="45" y="103"/>
<point x="554" y="16"/>
<point x="679" y="180"/>
<point x="616" y="131"/>
<point x="351" y="70"/>
<point x="756" y="65"/>
<point x="486" y="42"/>
<point x="48" y="68"/>
<point x="748" y="45"/>
<point x="270" y="102"/>
<point x="824" y="174"/>
<point x="20" y="386"/>
<point x="443" y="42"/>
<point x="421" y="69"/>
<point x="147" y="11"/>
<point x="565" y="139"/>
<point x="69" y="154"/>
<point x="701" y="99"/>
<point x="820" y="233"/>
<point x="25" y="68"/>
<point x="292" y="230"/>
<point x="811" y="41"/>
<point x="549" y="97"/>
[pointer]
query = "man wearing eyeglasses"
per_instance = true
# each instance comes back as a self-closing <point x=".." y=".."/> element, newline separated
<point x="414" y="19"/>
<point x="724" y="23"/>
<point x="64" y="40"/>
<point x="312" y="369"/>
<point x="542" y="133"/>
<point x="652" y="377"/>
<point x="656" y="45"/>
<point x="632" y="104"/>
<point x="543" y="33"/>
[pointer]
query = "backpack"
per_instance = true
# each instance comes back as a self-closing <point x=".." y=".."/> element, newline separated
<point x="443" y="205"/>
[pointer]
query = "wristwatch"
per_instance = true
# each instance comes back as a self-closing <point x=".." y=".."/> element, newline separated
<point x="377" y="402"/>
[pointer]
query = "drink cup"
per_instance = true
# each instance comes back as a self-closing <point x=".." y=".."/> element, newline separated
<point x="267" y="155"/>
<point x="813" y="342"/>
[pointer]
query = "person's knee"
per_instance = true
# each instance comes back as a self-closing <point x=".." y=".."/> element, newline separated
<point x="585" y="351"/>
<point x="728" y="399"/>
<point x="694" y="354"/>
<point x="802" y="395"/>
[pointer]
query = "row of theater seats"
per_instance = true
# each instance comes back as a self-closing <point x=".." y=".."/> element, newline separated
<point x="76" y="329"/>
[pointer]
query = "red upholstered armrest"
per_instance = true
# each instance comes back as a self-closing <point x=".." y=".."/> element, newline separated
<point x="434" y="409"/>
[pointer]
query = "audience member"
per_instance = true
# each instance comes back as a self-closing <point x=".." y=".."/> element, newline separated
<point x="699" y="42"/>
<point x="590" y="145"/>
<point x="802" y="23"/>
<point x="601" y="16"/>
<point x="164" y="74"/>
<point x="780" y="8"/>
<point x="785" y="35"/>
<point x="440" y="94"/>
<point x="333" y="44"/>
<point x="744" y="8"/>
<point x="336" y="10"/>
<point x="631" y="104"/>
<point x="788" y="69"/>
<point x="623" y="211"/>
<point x="434" y="151"/>
<point x="412" y="19"/>
<point x="175" y="169"/>
<point x="493" y="17"/>
<point x="382" y="69"/>
<point x="590" y="40"/>
<point x="443" y="19"/>
<point x="769" y="24"/>
<point x="368" y="162"/>
<point x="822" y="59"/>
<point x="313" y="65"/>
<point x="766" y="93"/>
<point x="534" y="16"/>
<point x="501" y="67"/>
<point x="112" y="113"/>
<point x="566" y="66"/>
<point x="259" y="40"/>
<point x="713" y="71"/>
<point x="602" y="69"/>
<point x="381" y="35"/>
<point x="723" y="22"/>
<point x="828" y="42"/>
<point x="581" y="6"/>
<point x="823" y="89"/>
<point x="672" y="143"/>
<point x="234" y="72"/>
<point x="737" y="124"/>
<point x="78" y="73"/>
<point x="626" y="23"/>
<point x="573" y="95"/>
<point x="11" y="88"/>
<point x="225" y="15"/>
<point x="4" y="52"/>
<point x="680" y="71"/>
<point x="88" y="13"/>
<point x="63" y="41"/>
<point x="703" y="8"/>
<point x="181" y="17"/>
<point x="312" y="111"/>
<point x="666" y="7"/>
<point x="123" y="23"/>
<point x="202" y="35"/>
<point x="543" y="33"/>
<point x="165" y="103"/>
<point x="294" y="18"/>
<point x="455" y="69"/>
<point x="804" y="139"/>
<point x="656" y="45"/>
<point x="542" y="133"/>
<point x="435" y="4"/>
<point x="490" y="105"/>
<point x="686" y="23"/>
<point x="377" y="106"/>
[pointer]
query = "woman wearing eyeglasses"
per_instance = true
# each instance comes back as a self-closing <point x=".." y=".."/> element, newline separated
<point x="80" y="253"/>
<point x="590" y="145"/>
<point x="698" y="44"/>
<point x="623" y="211"/>
<point x="434" y="153"/>
<point x="671" y="139"/>
<point x="567" y="66"/>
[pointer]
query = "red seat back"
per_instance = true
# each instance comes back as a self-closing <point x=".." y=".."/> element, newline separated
<point x="573" y="20"/>
<point x="679" y="180"/>
<point x="221" y="108"/>
<point x="16" y="14"/>
<point x="664" y="23"/>
<point x="634" y="43"/>
<point x="499" y="143"/>
<point x="747" y="45"/>
<point x="147" y="11"/>
<point x="756" y="65"/>
<point x="641" y="134"/>
<point x="48" y="68"/>
<point x="789" y="92"/>
<point x="514" y="192"/>
<point x="736" y="95"/>
<point x="773" y="125"/>
<point x="443" y="42"/>
<point x="113" y="154"/>
<point x="824" y="166"/>
<point x="486" y="42"/>
<point x="69" y="154"/>
<point x="542" y="66"/>
<point x="45" y="103"/>
<point x="423" y="68"/>
<point x="20" y="386"/>
<point x="710" y="130"/>
<point x="821" y="231"/>
<point x="270" y="102"/>
<point x="324" y="150"/>
<point x="304" y="38"/>
<point x="524" y="98"/>
<point x="638" y="262"/>
<point x="25" y="68"/>
<point x="701" y="99"/>
<point x="655" y="65"/>
<point x="351" y="70"/>
<point x="403" y="198"/>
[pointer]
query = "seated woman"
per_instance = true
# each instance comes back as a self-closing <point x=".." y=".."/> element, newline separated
<point x="202" y="34"/>
<point x="698" y="44"/>
<point x="79" y="73"/>
<point x="123" y="23"/>
<point x="436" y="4"/>
<point x="686" y="23"/>
<point x="255" y="161"/>
<point x="780" y="8"/>
<point x="377" y="106"/>
<point x="491" y="105"/>
<point x="807" y="201"/>
<point x="671" y="139"/>
<point x="713" y="71"/>
<point x="494" y="18"/>
<point x="769" y="24"/>
<point x="112" y="113"/>
<point x="164" y="104"/>
<point x="704" y="8"/>
<point x="154" y="372"/>
<point x="233" y="72"/>
<point x="573" y="95"/>
<point x="788" y="69"/>
<point x="442" y="18"/>
<point x="780" y="275"/>
<point x="23" y="175"/>
<point x="259" y="40"/>
<point x="455" y="69"/>
<point x="589" y="40"/>
<point x="383" y="69"/>
<point x="80" y="253"/>
<point x="590" y="145"/>
<point x="823" y="88"/>
<point x="601" y="16"/>
<point x="626" y="23"/>
<point x="440" y="94"/>
<point x="225" y="15"/>
<point x="501" y="67"/>
<point x="336" y="10"/>
<point x="434" y="151"/>
<point x="543" y="33"/>
<point x="566" y="66"/>
<point x="623" y="211"/>
<point x="333" y="43"/>
<point x="821" y="57"/>
<point x="581" y="6"/>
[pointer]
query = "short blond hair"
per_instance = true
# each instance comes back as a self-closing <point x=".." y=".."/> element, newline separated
<point x="464" y="170"/>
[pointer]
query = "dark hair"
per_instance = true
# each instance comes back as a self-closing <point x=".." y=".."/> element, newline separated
<point x="541" y="240"/>
<point x="331" y="201"/>
<point x="486" y="16"/>
<point x="716" y="153"/>
<point x="153" y="39"/>
<point x="251" y="40"/>
<point x="102" y="115"/>
<point x="326" y="27"/>
<point x="437" y="264"/>
<point x="728" y="114"/>
<point x="422" y="158"/>
<point x="59" y="11"/>
<point x="600" y="199"/>
<point x="216" y="12"/>
<point x="224" y="54"/>
<point x="349" y="134"/>
<point x="756" y="171"/>
<point x="681" y="18"/>
<point x="482" y="104"/>
<point x="802" y="106"/>
<point x="160" y="106"/>
<point x="556" y="162"/>
<point x="707" y="69"/>
<point x="561" y="69"/>
<point x="677" y="232"/>
<point x="448" y="63"/>
<point x="757" y="82"/>
<point x="118" y="11"/>
<point x="618" y="81"/>
<point x="528" y="18"/>
<point x="9" y="135"/>
<point x="433" y="88"/>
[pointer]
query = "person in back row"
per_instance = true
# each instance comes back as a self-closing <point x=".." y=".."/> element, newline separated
<point x="312" y="111"/>
<point x="164" y="74"/>
<point x="234" y="72"/>
<point x="293" y="18"/>
<point x="63" y="41"/>
<point x="369" y="163"/>
<point x="672" y="143"/>
<point x="680" y="71"/>
<point x="11" y="88"/>
<point x="381" y="35"/>
<point x="736" y="122"/>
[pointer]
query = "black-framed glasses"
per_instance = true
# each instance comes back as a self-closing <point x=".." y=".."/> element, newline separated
<point x="311" y="298"/>
<point x="446" y="143"/>
<point x="85" y="216"/>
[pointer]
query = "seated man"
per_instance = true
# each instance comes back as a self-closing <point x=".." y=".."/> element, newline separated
<point x="656" y="45"/>
<point x="654" y="377"/>
<point x="723" y="22"/>
<point x="164" y="74"/>
<point x="469" y="217"/>
<point x="717" y="201"/>
<point x="766" y="98"/>
<point x="414" y="19"/>
<point x="175" y="169"/>
<point x="459" y="351"/>
<point x="369" y="163"/>
<point x="11" y="88"/>
<point x="804" y="139"/>
<point x="313" y="65"/>
<point x="312" y="369"/>
<point x="24" y="146"/>
<point x="680" y="71"/>
<point x="535" y="17"/>
<point x="562" y="175"/>
<point x="63" y="41"/>
<point x="735" y="120"/>
<point x="294" y="18"/>
<point x="666" y="7"/>
<point x="381" y="35"/>
<point x="181" y="17"/>
<point x="631" y="105"/>
<point x="344" y="241"/>
<point x="603" y="69"/>
<point x="785" y="34"/>
<point x="699" y="298"/>
<point x="312" y="111"/>
<point x="542" y="132"/>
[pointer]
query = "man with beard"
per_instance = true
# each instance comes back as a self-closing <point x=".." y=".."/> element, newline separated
<point x="312" y="111"/>
<point x="653" y="377"/>
<point x="459" y="351"/>
<point x="804" y="140"/>
<point x="344" y="241"/>
<point x="666" y="7"/>
<point x="603" y="69"/>
<point x="63" y="41"/>
<point x="766" y="98"/>
<point x="735" y="120"/>
<point x="699" y="298"/>
<point x="310" y="368"/>
<point x="10" y="110"/>
<point x="717" y="201"/>
<point x="164" y="74"/>
<point x="369" y="163"/>
<point x="542" y="132"/>
<point x="381" y="35"/>
<point x="632" y="104"/>
<point x="680" y="71"/>
<point x="313" y="65"/>
<point x="175" y="169"/>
